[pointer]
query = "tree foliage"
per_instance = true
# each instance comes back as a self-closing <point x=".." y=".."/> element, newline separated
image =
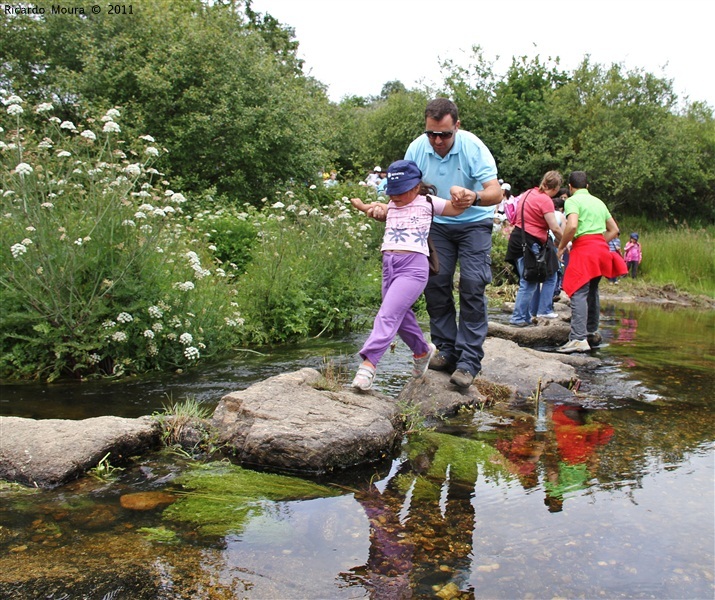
<point x="219" y="84"/>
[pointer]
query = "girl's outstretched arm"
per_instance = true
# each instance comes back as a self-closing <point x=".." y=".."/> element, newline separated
<point x="376" y="210"/>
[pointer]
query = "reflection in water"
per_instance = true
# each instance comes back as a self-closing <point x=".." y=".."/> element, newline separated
<point x="610" y="498"/>
<point x="577" y="440"/>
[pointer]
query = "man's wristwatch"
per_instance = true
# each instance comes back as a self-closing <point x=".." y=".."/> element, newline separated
<point x="477" y="199"/>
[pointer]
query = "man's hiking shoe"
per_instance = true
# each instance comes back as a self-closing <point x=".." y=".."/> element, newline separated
<point x="461" y="378"/>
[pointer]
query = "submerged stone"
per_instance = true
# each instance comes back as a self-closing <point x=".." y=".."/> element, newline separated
<point x="146" y="500"/>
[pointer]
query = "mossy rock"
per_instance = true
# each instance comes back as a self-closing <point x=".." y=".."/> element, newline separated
<point x="220" y="498"/>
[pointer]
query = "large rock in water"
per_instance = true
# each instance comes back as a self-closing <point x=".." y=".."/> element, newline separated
<point x="286" y="423"/>
<point x="50" y="452"/>
<point x="521" y="369"/>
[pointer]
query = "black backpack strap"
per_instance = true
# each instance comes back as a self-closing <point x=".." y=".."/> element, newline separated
<point x="523" y="225"/>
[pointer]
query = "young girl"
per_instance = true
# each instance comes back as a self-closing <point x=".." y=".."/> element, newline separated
<point x="405" y="267"/>
<point x="632" y="255"/>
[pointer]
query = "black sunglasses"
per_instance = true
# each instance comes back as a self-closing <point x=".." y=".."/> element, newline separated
<point x="445" y="135"/>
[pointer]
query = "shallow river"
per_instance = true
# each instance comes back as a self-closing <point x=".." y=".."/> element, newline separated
<point x="610" y="499"/>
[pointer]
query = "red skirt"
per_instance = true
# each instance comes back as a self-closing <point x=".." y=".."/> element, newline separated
<point x="591" y="257"/>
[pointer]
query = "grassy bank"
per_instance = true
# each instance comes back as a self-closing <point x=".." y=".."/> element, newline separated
<point x="683" y="258"/>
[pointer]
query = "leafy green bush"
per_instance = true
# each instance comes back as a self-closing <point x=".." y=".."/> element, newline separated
<point x="100" y="273"/>
<point x="231" y="236"/>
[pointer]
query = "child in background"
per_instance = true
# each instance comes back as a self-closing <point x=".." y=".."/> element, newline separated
<point x="632" y="255"/>
<point x="405" y="266"/>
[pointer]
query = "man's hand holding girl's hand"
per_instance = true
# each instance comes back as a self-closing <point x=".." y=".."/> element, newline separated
<point x="462" y="197"/>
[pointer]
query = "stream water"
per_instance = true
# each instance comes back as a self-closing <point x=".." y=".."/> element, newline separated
<point x="613" y="498"/>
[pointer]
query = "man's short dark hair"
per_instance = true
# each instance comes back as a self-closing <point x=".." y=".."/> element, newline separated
<point x="439" y="108"/>
<point x="578" y="180"/>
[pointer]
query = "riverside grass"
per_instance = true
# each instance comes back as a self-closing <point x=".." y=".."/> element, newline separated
<point x="683" y="258"/>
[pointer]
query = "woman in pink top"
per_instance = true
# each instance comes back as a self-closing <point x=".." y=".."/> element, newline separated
<point x="405" y="266"/>
<point x="538" y="220"/>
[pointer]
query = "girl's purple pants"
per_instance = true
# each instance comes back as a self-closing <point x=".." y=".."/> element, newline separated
<point x="404" y="276"/>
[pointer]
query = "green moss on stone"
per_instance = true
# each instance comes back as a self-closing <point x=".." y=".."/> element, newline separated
<point x="220" y="498"/>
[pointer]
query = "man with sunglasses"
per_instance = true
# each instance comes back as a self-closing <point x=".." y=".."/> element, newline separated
<point x="448" y="156"/>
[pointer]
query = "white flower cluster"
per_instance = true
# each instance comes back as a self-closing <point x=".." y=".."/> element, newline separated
<point x="236" y="321"/>
<point x="119" y="336"/>
<point x="14" y="99"/>
<point x="23" y="169"/>
<point x="192" y="353"/>
<point x="18" y="250"/>
<point x="108" y="119"/>
<point x="195" y="263"/>
<point x="186" y="286"/>
<point x="133" y="170"/>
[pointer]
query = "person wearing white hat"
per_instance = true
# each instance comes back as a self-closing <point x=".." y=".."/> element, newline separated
<point x="373" y="179"/>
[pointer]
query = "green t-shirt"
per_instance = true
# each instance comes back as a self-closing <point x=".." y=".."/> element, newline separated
<point x="592" y="212"/>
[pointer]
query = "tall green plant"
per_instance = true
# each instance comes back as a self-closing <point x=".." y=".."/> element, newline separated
<point x="314" y="270"/>
<point x="100" y="274"/>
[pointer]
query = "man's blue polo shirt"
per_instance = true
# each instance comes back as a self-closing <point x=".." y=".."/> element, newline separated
<point x="468" y="163"/>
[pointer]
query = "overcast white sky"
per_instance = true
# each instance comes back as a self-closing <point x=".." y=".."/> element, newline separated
<point x="355" y="46"/>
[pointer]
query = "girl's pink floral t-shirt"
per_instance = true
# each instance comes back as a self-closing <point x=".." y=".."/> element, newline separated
<point x="407" y="227"/>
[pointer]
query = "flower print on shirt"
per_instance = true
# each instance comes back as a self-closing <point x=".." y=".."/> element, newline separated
<point x="421" y="236"/>
<point x="398" y="234"/>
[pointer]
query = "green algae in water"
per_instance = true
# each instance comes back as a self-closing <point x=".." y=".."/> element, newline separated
<point x="220" y="498"/>
<point x="160" y="535"/>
